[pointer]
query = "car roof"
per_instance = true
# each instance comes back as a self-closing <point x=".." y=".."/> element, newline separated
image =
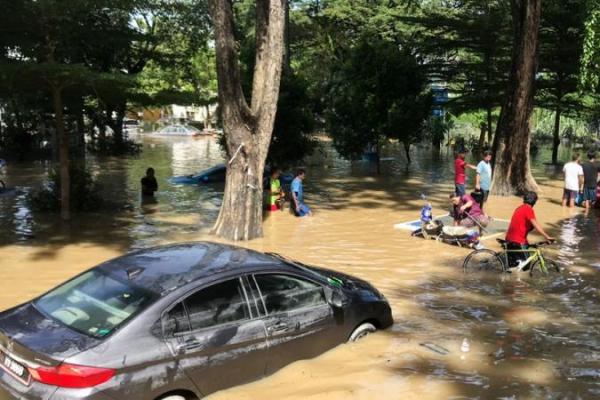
<point x="166" y="268"/>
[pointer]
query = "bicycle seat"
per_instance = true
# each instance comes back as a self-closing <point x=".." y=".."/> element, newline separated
<point x="502" y="242"/>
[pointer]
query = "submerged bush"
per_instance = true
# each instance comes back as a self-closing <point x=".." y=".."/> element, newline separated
<point x="85" y="192"/>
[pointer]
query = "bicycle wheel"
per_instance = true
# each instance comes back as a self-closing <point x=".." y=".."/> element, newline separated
<point x="483" y="260"/>
<point x="536" y="267"/>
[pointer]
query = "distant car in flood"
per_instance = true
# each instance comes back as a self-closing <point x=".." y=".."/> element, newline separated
<point x="178" y="130"/>
<point x="131" y="126"/>
<point x="179" y="322"/>
<point x="216" y="174"/>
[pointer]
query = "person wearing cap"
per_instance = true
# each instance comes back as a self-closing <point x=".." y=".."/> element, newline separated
<point x="522" y="222"/>
<point x="459" y="172"/>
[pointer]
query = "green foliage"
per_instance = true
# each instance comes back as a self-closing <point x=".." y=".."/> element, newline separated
<point x="294" y="122"/>
<point x="93" y="51"/>
<point x="85" y="193"/>
<point x="66" y="48"/>
<point x="185" y="74"/>
<point x="589" y="77"/>
<point x="378" y="91"/>
<point x="292" y="139"/>
<point x="561" y="47"/>
<point x="469" y="45"/>
<point x="438" y="128"/>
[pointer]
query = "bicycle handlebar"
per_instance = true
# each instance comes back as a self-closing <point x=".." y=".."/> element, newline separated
<point x="543" y="243"/>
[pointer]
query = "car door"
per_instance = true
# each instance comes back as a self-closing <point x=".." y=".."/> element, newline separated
<point x="216" y="338"/>
<point x="300" y="323"/>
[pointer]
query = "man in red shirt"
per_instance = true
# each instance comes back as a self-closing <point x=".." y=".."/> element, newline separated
<point x="459" y="172"/>
<point x="522" y="222"/>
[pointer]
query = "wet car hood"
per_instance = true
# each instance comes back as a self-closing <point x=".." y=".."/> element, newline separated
<point x="28" y="333"/>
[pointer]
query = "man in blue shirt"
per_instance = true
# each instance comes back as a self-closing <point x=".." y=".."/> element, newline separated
<point x="298" y="207"/>
<point x="483" y="181"/>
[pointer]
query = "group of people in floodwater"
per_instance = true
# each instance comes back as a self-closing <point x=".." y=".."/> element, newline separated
<point x="276" y="195"/>
<point x="580" y="185"/>
<point x="467" y="210"/>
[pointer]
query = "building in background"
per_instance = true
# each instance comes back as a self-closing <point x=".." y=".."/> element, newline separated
<point x="196" y="115"/>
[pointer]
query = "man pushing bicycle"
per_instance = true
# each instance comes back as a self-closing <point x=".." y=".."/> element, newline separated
<point x="522" y="222"/>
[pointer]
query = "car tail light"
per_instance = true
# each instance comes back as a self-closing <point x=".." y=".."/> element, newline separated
<point x="71" y="376"/>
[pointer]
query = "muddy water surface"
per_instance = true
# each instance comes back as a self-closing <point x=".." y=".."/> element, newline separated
<point x="528" y="339"/>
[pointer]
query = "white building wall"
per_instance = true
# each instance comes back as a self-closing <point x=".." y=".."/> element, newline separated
<point x="192" y="113"/>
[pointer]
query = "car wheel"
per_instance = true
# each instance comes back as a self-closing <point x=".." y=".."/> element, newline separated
<point x="361" y="331"/>
<point x="173" y="397"/>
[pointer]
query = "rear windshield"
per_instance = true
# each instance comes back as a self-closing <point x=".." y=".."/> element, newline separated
<point x="94" y="303"/>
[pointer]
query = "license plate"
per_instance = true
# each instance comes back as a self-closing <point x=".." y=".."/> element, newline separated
<point x="14" y="368"/>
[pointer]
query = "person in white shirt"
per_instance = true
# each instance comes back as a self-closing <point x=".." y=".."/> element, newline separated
<point x="483" y="181"/>
<point x="573" y="181"/>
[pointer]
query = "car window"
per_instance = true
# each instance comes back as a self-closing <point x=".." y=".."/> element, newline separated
<point x="217" y="304"/>
<point x="284" y="293"/>
<point x="94" y="303"/>
<point x="176" y="321"/>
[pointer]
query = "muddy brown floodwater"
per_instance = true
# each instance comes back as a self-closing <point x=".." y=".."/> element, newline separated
<point x="529" y="339"/>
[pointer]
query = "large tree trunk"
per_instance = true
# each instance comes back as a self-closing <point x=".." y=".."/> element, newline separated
<point x="407" y="151"/>
<point x="378" y="157"/>
<point x="481" y="142"/>
<point x="287" y="55"/>
<point x="490" y="132"/>
<point x="247" y="129"/>
<point x="556" y="133"/>
<point x="118" y="126"/>
<point x="513" y="171"/>
<point x="208" y="119"/>
<point x="63" y="154"/>
<point x="488" y="95"/>
<point x="80" y="123"/>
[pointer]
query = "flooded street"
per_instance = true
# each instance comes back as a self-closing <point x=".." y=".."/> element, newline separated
<point x="528" y="339"/>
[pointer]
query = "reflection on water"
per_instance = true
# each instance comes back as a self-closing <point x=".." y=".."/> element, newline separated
<point x="529" y="339"/>
<point x="120" y="182"/>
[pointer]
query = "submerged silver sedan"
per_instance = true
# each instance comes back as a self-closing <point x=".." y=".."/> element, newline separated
<point x="179" y="322"/>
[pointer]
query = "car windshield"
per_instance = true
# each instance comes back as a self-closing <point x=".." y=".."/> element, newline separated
<point x="94" y="303"/>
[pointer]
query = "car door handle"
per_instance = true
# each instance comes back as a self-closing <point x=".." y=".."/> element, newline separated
<point x="188" y="344"/>
<point x="278" y="327"/>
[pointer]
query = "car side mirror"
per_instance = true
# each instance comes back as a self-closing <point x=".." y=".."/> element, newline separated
<point x="335" y="297"/>
<point x="169" y="327"/>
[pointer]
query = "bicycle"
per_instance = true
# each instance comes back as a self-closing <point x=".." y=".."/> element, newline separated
<point x="489" y="260"/>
